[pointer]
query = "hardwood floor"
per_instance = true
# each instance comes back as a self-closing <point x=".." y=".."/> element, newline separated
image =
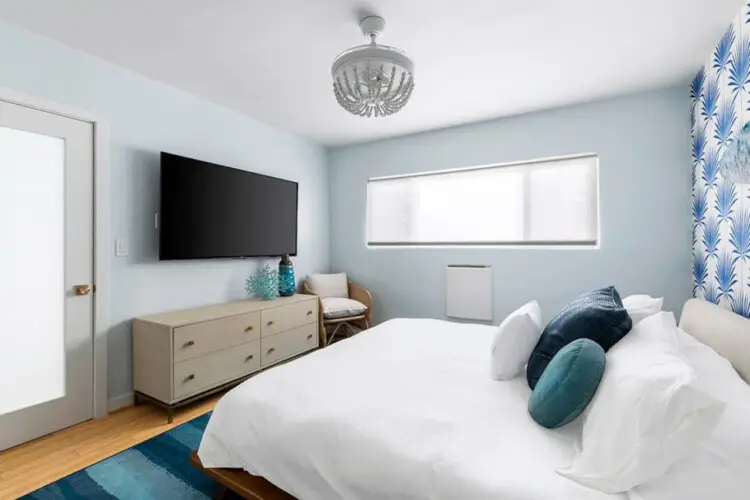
<point x="30" y="466"/>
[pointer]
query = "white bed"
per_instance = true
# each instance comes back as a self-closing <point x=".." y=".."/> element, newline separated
<point x="407" y="410"/>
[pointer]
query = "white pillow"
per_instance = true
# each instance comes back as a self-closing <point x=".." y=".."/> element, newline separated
<point x="648" y="411"/>
<point x="640" y="307"/>
<point x="329" y="285"/>
<point x="719" y="468"/>
<point x="514" y="340"/>
<point x="336" y="307"/>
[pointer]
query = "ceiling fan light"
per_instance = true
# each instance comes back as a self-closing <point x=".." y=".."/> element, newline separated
<point x="372" y="80"/>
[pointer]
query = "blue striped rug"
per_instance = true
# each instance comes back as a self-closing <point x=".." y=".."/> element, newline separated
<point x="155" y="469"/>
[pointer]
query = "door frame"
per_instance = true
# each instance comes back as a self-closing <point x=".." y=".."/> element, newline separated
<point x="102" y="245"/>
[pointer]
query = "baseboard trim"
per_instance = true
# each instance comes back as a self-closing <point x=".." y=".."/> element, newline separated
<point x="119" y="402"/>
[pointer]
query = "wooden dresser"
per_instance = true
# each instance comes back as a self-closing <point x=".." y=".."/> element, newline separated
<point x="181" y="356"/>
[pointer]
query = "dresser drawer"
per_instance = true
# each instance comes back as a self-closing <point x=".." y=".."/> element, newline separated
<point x="288" y="343"/>
<point x="279" y="319"/>
<point x="201" y="338"/>
<point x="201" y="373"/>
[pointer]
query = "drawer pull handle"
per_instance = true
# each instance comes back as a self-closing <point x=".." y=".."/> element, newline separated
<point x="270" y="323"/>
<point x="271" y="350"/>
<point x="190" y="377"/>
<point x="309" y="337"/>
<point x="309" y="313"/>
<point x="249" y="358"/>
<point x="189" y="343"/>
<point x="249" y="328"/>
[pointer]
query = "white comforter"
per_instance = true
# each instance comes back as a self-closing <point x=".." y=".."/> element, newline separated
<point x="406" y="410"/>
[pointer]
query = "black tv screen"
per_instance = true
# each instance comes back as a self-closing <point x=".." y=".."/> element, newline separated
<point x="210" y="211"/>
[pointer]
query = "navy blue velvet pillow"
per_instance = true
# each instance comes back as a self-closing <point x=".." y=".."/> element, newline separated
<point x="597" y="315"/>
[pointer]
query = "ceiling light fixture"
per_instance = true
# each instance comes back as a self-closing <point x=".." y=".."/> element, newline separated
<point x="372" y="80"/>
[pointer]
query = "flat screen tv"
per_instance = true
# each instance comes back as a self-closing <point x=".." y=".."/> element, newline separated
<point x="209" y="211"/>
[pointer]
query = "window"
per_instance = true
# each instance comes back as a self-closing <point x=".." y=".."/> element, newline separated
<point x="544" y="202"/>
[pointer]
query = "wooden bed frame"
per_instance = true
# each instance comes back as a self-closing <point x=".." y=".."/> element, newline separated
<point x="243" y="484"/>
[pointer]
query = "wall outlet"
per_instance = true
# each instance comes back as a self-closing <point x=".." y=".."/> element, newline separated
<point x="121" y="247"/>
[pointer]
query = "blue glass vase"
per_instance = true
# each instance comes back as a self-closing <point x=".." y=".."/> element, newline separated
<point x="287" y="286"/>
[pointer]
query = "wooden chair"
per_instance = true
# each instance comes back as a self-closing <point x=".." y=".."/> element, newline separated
<point x="363" y="321"/>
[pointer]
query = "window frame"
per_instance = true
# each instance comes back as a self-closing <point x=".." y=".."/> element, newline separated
<point x="521" y="244"/>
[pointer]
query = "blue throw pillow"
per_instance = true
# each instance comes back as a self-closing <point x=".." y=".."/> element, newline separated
<point x="568" y="384"/>
<point x="597" y="315"/>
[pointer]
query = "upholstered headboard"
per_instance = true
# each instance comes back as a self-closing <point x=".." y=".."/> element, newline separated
<point x="724" y="331"/>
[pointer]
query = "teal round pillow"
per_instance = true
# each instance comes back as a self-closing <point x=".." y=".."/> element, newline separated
<point x="567" y="384"/>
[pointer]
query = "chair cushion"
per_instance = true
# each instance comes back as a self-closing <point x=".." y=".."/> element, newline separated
<point x="598" y="316"/>
<point x="568" y="384"/>
<point x="329" y="285"/>
<point x="337" y="307"/>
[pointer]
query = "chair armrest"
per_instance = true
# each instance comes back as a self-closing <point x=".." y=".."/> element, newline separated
<point x="321" y="320"/>
<point x="360" y="294"/>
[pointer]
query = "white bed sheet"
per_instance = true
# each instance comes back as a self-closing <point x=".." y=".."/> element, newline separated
<point x="405" y="410"/>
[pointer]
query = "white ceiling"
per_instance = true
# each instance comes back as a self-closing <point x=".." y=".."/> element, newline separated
<point x="475" y="59"/>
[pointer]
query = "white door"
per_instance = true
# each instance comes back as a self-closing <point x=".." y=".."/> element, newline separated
<point x="46" y="249"/>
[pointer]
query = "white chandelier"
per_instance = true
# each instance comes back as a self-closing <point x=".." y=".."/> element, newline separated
<point x="372" y="80"/>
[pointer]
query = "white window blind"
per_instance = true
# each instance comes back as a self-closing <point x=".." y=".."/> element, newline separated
<point x="545" y="202"/>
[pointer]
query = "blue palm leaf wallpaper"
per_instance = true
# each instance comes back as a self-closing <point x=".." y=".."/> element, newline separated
<point x="739" y="235"/>
<point x="696" y="87"/>
<point x="700" y="208"/>
<point x="699" y="143"/>
<point x="700" y="272"/>
<point x="726" y="199"/>
<point x="741" y="304"/>
<point x="711" y="293"/>
<point x="723" y="52"/>
<point x="710" y="99"/>
<point x="711" y="236"/>
<point x="720" y="98"/>
<point x="726" y="276"/>
<point x="726" y="119"/>
<point x="739" y="65"/>
<point x="696" y="236"/>
<point x="711" y="168"/>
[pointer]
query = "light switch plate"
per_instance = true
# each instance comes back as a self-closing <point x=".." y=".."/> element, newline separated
<point x="121" y="247"/>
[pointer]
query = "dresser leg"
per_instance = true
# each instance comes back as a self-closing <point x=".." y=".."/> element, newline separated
<point x="170" y="415"/>
<point x="136" y="400"/>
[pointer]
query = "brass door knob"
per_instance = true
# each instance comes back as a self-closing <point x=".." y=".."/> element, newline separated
<point x="189" y="377"/>
<point x="249" y="328"/>
<point x="249" y="358"/>
<point x="309" y="313"/>
<point x="82" y="289"/>
<point x="309" y="337"/>
<point x="189" y="343"/>
<point x="270" y="323"/>
<point x="271" y="350"/>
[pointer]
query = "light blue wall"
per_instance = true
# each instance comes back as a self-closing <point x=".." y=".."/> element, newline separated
<point x="643" y="142"/>
<point x="147" y="117"/>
